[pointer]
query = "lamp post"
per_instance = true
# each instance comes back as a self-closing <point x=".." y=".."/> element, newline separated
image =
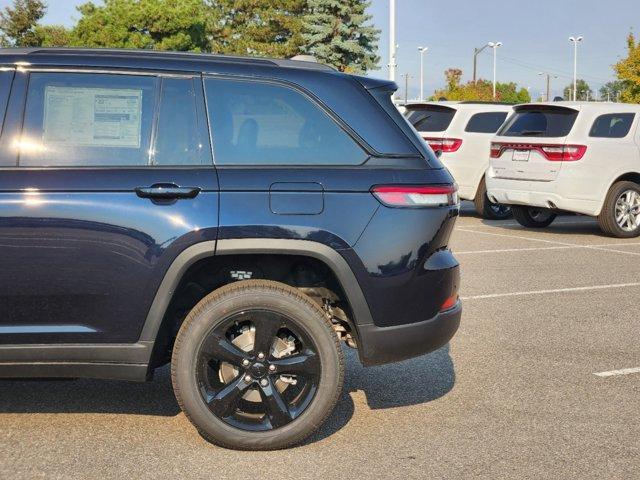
<point x="422" y="51"/>
<point x="495" y="46"/>
<point x="392" y="40"/>
<point x="476" y="52"/>
<point x="548" y="75"/>
<point x="575" y="41"/>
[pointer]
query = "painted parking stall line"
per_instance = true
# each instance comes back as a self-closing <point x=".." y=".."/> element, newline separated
<point x="555" y="290"/>
<point x="618" y="373"/>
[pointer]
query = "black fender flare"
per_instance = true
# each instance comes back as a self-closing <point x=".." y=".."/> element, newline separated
<point x="188" y="257"/>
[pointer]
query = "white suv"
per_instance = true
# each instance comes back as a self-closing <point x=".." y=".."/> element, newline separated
<point x="581" y="157"/>
<point x="462" y="132"/>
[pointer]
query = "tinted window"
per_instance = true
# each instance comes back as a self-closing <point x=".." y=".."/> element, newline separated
<point x="543" y="122"/>
<point x="178" y="138"/>
<point x="430" y="119"/>
<point x="487" y="122"/>
<point x="613" y="125"/>
<point x="78" y="119"/>
<point x="256" y="123"/>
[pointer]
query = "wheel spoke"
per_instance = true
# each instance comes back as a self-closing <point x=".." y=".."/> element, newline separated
<point x="219" y="348"/>
<point x="225" y="402"/>
<point x="305" y="364"/>
<point x="267" y="326"/>
<point x="275" y="406"/>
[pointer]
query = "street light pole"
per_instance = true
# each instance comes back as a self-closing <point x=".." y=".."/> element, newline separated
<point x="406" y="87"/>
<point x="476" y="52"/>
<point x="575" y="41"/>
<point x="422" y="51"/>
<point x="392" y="40"/>
<point x="495" y="46"/>
<point x="548" y="75"/>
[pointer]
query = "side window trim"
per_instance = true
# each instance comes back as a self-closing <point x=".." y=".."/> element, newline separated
<point x="370" y="152"/>
<point x="14" y="119"/>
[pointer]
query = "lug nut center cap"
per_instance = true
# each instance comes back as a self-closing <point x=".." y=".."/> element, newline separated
<point x="258" y="370"/>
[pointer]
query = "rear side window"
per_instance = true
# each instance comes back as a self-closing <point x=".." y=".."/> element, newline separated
<point x="486" y="122"/>
<point x="80" y="119"/>
<point x="542" y="122"/>
<point x="431" y="118"/>
<point x="261" y="123"/>
<point x="612" y="125"/>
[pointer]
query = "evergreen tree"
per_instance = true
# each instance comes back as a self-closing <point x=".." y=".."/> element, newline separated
<point x="18" y="23"/>
<point x="340" y="33"/>
<point x="257" y="27"/>
<point x="153" y="24"/>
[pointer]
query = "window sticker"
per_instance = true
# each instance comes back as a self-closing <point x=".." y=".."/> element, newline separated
<point x="92" y="117"/>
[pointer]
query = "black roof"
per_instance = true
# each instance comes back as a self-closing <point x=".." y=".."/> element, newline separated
<point x="43" y="53"/>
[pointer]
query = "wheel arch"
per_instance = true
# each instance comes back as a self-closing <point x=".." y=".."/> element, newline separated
<point x="303" y="248"/>
<point x="630" y="176"/>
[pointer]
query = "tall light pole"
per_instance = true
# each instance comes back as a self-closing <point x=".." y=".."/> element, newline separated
<point x="548" y="75"/>
<point x="422" y="51"/>
<point x="392" y="40"/>
<point x="406" y="87"/>
<point x="495" y="46"/>
<point x="575" y="41"/>
<point x="476" y="52"/>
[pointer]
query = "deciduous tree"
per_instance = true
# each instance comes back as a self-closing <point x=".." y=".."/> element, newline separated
<point x="628" y="70"/>
<point x="18" y="23"/>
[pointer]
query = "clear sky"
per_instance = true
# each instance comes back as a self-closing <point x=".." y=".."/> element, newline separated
<point x="534" y="35"/>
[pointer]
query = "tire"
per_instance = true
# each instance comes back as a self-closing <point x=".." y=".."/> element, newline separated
<point x="622" y="201"/>
<point x="533" y="217"/>
<point x="486" y="208"/>
<point x="245" y="410"/>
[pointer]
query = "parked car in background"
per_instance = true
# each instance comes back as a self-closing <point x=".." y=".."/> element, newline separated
<point x="129" y="239"/>
<point x="462" y="132"/>
<point x="581" y="157"/>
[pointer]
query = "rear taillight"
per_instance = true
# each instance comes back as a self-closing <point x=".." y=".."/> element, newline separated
<point x="417" y="196"/>
<point x="445" y="145"/>
<point x="450" y="302"/>
<point x="553" y="153"/>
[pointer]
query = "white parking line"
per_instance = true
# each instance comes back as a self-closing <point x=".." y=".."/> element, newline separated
<point x="505" y="250"/>
<point x="555" y="290"/>
<point x="617" y="373"/>
<point x="602" y="248"/>
<point x="516" y="224"/>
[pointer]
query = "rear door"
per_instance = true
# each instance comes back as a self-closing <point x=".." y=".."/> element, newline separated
<point x="105" y="178"/>
<point x="532" y="144"/>
<point x="470" y="162"/>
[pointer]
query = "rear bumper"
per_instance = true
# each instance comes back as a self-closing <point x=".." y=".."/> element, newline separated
<point x="380" y="345"/>
<point x="538" y="194"/>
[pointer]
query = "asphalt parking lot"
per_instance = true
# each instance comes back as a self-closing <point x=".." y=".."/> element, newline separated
<point x="514" y="395"/>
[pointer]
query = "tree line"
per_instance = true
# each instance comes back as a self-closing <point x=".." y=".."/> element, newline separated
<point x="337" y="32"/>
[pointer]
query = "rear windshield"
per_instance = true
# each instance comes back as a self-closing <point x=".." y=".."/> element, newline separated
<point x="486" y="122"/>
<point x="540" y="122"/>
<point x="612" y="125"/>
<point x="430" y="118"/>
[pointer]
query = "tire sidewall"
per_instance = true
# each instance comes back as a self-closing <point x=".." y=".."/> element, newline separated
<point x="213" y="310"/>
<point x="612" y="226"/>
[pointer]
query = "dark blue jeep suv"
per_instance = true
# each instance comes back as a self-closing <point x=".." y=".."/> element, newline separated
<point x="236" y="217"/>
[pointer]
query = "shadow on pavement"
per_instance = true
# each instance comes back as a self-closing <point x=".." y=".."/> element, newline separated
<point x="412" y="382"/>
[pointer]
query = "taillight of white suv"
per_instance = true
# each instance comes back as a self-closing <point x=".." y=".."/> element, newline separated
<point x="445" y="145"/>
<point x="552" y="152"/>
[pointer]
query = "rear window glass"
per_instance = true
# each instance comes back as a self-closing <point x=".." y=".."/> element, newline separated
<point x="612" y="125"/>
<point x="486" y="122"/>
<point x="434" y="119"/>
<point x="259" y="123"/>
<point x="544" y="122"/>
